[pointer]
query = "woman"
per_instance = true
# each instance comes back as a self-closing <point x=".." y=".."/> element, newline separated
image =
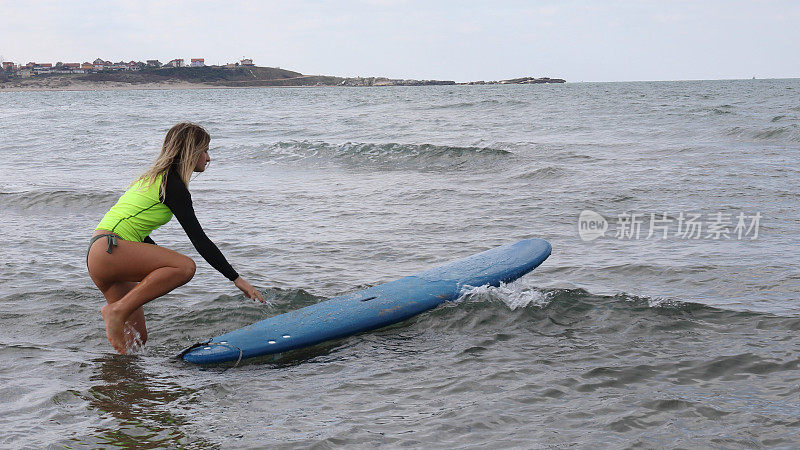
<point x="126" y="265"/>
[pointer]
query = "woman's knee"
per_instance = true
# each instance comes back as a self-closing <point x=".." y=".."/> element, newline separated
<point x="188" y="268"/>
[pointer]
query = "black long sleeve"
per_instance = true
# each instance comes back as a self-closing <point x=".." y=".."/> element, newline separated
<point x="179" y="201"/>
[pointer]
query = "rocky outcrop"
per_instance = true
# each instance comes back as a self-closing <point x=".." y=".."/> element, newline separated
<point x="532" y="80"/>
<point x="380" y="81"/>
<point x="523" y="80"/>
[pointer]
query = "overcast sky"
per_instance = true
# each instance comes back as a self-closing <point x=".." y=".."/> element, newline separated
<point x="579" y="40"/>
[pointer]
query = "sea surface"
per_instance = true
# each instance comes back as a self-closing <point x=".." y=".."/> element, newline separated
<point x="675" y="325"/>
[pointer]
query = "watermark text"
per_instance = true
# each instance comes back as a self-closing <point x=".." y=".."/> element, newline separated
<point x="682" y="225"/>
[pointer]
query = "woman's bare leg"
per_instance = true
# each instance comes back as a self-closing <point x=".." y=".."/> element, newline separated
<point x="135" y="331"/>
<point x="157" y="270"/>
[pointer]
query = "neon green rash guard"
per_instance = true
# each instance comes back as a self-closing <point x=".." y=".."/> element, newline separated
<point x="137" y="213"/>
<point x="141" y="210"/>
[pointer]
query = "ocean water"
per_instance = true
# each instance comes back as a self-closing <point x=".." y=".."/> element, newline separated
<point x="675" y="327"/>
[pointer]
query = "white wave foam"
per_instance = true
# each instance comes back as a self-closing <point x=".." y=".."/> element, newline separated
<point x="514" y="295"/>
<point x="134" y="339"/>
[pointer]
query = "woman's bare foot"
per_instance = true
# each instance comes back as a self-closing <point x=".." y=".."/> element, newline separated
<point x="114" y="328"/>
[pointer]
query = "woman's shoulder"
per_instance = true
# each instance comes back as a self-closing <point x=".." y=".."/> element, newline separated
<point x="175" y="188"/>
<point x="144" y="183"/>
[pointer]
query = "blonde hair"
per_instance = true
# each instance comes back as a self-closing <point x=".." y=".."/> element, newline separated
<point x="183" y="145"/>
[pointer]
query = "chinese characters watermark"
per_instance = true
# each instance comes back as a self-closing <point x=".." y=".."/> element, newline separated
<point x="684" y="225"/>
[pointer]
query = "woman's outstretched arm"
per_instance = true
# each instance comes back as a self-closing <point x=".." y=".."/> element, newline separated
<point x="179" y="201"/>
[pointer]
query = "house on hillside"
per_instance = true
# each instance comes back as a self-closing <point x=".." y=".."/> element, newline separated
<point x="9" y="66"/>
<point x="72" y="68"/>
<point x="153" y="63"/>
<point x="99" y="64"/>
<point x="175" y="63"/>
<point x="247" y="62"/>
<point x="198" y="62"/>
<point x="39" y="68"/>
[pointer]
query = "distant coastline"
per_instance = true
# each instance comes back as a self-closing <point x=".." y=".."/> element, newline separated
<point x="209" y="77"/>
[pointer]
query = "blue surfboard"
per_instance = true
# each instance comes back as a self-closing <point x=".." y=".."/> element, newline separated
<point x="372" y="308"/>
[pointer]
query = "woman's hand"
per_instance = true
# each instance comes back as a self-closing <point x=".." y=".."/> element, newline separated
<point x="248" y="290"/>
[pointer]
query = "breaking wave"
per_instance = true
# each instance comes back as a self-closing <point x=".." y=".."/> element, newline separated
<point x="375" y="155"/>
<point x="68" y="200"/>
<point x="782" y="134"/>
